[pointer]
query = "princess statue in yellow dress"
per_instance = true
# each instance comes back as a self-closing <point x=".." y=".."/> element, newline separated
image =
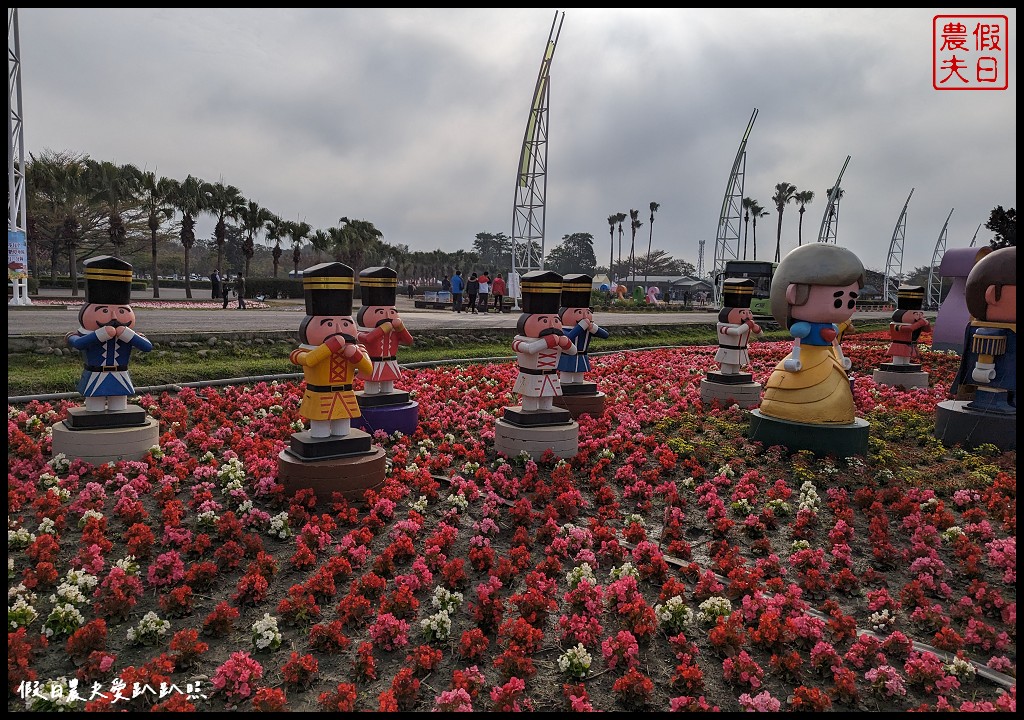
<point x="814" y="292"/>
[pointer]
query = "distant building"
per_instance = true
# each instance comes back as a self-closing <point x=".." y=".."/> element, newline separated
<point x="673" y="287"/>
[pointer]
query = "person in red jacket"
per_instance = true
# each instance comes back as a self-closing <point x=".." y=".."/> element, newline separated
<point x="498" y="290"/>
<point x="381" y="329"/>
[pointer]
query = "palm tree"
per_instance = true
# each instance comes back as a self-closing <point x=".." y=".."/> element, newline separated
<point x="634" y="216"/>
<point x="275" y="228"/>
<point x="113" y="188"/>
<point x="321" y="240"/>
<point x="620" y="218"/>
<point x="225" y="201"/>
<point x="804" y="198"/>
<point x="156" y="201"/>
<point x="297" y="231"/>
<point x="189" y="198"/>
<point x="254" y="219"/>
<point x="650" y="238"/>
<point x="612" y="219"/>
<point x="747" y="204"/>
<point x="361" y="239"/>
<point x="756" y="211"/>
<point x="784" y="192"/>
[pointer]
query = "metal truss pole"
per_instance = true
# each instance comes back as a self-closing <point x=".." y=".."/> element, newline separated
<point x="830" y="219"/>
<point x="727" y="239"/>
<point x="528" y="215"/>
<point x="934" y="296"/>
<point x="16" y="220"/>
<point x="894" y="260"/>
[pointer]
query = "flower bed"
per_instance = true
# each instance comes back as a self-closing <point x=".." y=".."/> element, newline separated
<point x="161" y="304"/>
<point x="671" y="565"/>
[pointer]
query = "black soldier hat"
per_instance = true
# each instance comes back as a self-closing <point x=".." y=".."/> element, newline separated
<point x="542" y="292"/>
<point x="378" y="286"/>
<point x="108" y="281"/>
<point x="327" y="289"/>
<point x="576" y="289"/>
<point x="737" y="292"/>
<point x="910" y="297"/>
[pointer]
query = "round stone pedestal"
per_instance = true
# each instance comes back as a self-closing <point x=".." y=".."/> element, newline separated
<point x="823" y="439"/>
<point x="957" y="424"/>
<point x="746" y="395"/>
<point x="349" y="476"/>
<point x="103" y="445"/>
<point x="562" y="439"/>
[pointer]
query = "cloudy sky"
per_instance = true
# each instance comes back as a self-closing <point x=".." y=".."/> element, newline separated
<point x="413" y="119"/>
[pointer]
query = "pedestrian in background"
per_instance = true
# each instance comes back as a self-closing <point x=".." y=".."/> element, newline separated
<point x="225" y="291"/>
<point x="485" y="291"/>
<point x="215" y="284"/>
<point x="457" y="285"/>
<point x="472" y="290"/>
<point x="498" y="292"/>
<point x="240" y="289"/>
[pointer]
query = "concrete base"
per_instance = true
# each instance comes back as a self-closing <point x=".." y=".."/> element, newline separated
<point x="389" y="418"/>
<point x="398" y="397"/>
<point x="905" y="380"/>
<point x="957" y="424"/>
<point x="563" y="440"/>
<point x="536" y="418"/>
<point x="746" y="395"/>
<point x="578" y="405"/>
<point x="81" y="419"/>
<point x="823" y="439"/>
<point x="349" y="476"/>
<point x="580" y="388"/>
<point x="103" y="445"/>
<point x="305" y="447"/>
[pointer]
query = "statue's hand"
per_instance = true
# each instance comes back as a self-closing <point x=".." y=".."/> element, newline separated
<point x="984" y="373"/>
<point x="792" y="365"/>
<point x="846" y="363"/>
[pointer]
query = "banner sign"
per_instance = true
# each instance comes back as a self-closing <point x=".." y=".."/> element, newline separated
<point x="17" y="255"/>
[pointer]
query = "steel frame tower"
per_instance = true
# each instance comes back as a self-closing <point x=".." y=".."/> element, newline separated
<point x="894" y="260"/>
<point x="934" y="296"/>
<point x="727" y="240"/>
<point x="531" y="175"/>
<point x="830" y="219"/>
<point x="16" y="212"/>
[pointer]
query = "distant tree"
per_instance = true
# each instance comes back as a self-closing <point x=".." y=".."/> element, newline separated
<point x="225" y="202"/>
<point x="650" y="236"/>
<point x="756" y="211"/>
<point x="747" y="203"/>
<point x="575" y="254"/>
<point x="494" y="249"/>
<point x="612" y="219"/>
<point x="1004" y="224"/>
<point x="634" y="224"/>
<point x="156" y="199"/>
<point x="189" y="199"/>
<point x="784" y="193"/>
<point x="254" y="219"/>
<point x="803" y="198"/>
<point x="661" y="263"/>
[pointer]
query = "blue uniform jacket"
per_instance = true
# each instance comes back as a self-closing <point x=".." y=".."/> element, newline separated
<point x="580" y="362"/>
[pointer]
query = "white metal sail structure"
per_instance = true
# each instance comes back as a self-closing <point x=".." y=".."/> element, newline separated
<point x="830" y="219"/>
<point x="934" y="296"/>
<point x="16" y="211"/>
<point x="531" y="174"/>
<point x="974" y="239"/>
<point x="894" y="260"/>
<point x="727" y="240"/>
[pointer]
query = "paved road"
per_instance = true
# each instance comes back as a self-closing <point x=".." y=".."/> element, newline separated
<point x="284" y="316"/>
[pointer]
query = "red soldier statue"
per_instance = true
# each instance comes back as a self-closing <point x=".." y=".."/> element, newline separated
<point x="381" y="329"/>
<point x="907" y="323"/>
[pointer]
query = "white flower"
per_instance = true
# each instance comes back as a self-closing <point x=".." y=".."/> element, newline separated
<point x="575" y="661"/>
<point x="265" y="635"/>
<point x="446" y="600"/>
<point x="150" y="630"/>
<point x="713" y="608"/>
<point x="674" y="614"/>
<point x="578" y="574"/>
<point x="437" y="626"/>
